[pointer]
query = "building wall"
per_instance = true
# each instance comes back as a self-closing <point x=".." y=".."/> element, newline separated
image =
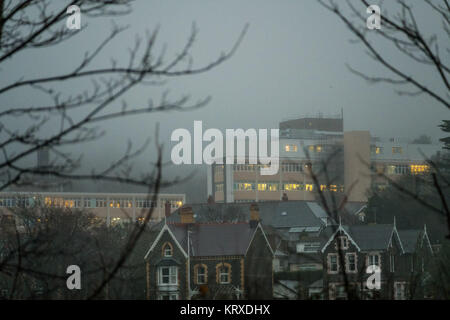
<point x="111" y="207"/>
<point x="258" y="269"/>
<point x="155" y="259"/>
<point x="357" y="175"/>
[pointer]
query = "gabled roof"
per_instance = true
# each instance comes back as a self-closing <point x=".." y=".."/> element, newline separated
<point x="411" y="238"/>
<point x="210" y="239"/>
<point x="372" y="237"/>
<point x="364" y="237"/>
<point x="278" y="214"/>
<point x="214" y="239"/>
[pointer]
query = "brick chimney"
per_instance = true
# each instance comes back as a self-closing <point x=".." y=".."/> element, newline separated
<point x="186" y="214"/>
<point x="254" y="215"/>
<point x="167" y="209"/>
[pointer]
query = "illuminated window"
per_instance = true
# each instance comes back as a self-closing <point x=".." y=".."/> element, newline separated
<point x="311" y="148"/>
<point x="309" y="187"/>
<point x="376" y="150"/>
<point x="291" y="186"/>
<point x="323" y="187"/>
<point x="318" y="148"/>
<point x="397" y="150"/>
<point x="290" y="148"/>
<point x="262" y="186"/>
<point x="417" y="169"/>
<point x="244" y="186"/>
<point x="273" y="186"/>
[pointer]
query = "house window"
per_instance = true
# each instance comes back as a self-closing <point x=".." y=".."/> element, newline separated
<point x="392" y="262"/>
<point x="167" y="250"/>
<point x="308" y="247"/>
<point x="340" y="292"/>
<point x="350" y="262"/>
<point x="223" y="273"/>
<point x="373" y="259"/>
<point x="399" y="291"/>
<point x="168" y="296"/>
<point x="168" y="275"/>
<point x="343" y="242"/>
<point x="200" y="273"/>
<point x="333" y="264"/>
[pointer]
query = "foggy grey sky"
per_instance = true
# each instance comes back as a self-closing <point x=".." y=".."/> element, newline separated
<point x="291" y="63"/>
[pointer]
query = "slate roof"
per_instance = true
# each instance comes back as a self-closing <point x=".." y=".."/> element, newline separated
<point x="367" y="237"/>
<point x="371" y="237"/>
<point x="214" y="239"/>
<point x="278" y="214"/>
<point x="409" y="239"/>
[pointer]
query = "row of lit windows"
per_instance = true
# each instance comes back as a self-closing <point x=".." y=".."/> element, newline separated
<point x="311" y="148"/>
<point x="59" y="202"/>
<point x="271" y="186"/>
<point x="380" y="150"/>
<point x="285" y="167"/>
<point x="401" y="169"/>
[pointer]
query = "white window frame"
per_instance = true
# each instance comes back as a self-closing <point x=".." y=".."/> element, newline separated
<point x="227" y="274"/>
<point x="172" y="295"/>
<point x="204" y="274"/>
<point x="173" y="275"/>
<point x="373" y="254"/>
<point x="330" y="270"/>
<point x="167" y="247"/>
<point x="392" y="262"/>
<point x="347" y="262"/>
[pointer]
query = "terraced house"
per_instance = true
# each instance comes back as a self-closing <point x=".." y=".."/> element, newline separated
<point x="192" y="260"/>
<point x="400" y="256"/>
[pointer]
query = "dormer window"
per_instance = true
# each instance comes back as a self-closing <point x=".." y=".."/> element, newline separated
<point x="342" y="243"/>
<point x="167" y="250"/>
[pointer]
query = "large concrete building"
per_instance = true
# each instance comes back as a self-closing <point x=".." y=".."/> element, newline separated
<point x="111" y="207"/>
<point x="319" y="149"/>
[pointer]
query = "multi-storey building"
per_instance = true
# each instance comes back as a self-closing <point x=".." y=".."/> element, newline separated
<point x="112" y="207"/>
<point x="317" y="153"/>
